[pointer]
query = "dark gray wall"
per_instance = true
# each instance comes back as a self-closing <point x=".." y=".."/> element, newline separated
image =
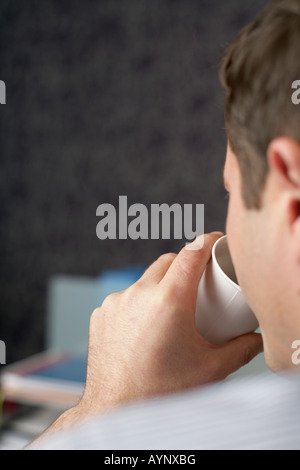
<point x="104" y="98"/>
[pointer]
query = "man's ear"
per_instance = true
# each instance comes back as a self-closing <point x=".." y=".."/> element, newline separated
<point x="284" y="161"/>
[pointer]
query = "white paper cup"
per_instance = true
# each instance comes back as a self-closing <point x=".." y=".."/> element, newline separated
<point x="221" y="310"/>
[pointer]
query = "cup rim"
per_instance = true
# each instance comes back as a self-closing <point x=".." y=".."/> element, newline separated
<point x="234" y="284"/>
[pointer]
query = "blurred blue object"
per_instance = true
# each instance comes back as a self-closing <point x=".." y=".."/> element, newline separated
<point x="115" y="280"/>
<point x="72" y="299"/>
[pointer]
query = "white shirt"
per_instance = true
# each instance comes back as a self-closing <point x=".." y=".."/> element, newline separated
<point x="254" y="412"/>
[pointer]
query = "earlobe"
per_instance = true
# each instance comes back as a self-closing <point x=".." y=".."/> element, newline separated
<point x="293" y="220"/>
<point x="284" y="159"/>
<point x="284" y="163"/>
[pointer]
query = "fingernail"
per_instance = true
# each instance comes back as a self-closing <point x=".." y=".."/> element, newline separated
<point x="197" y="244"/>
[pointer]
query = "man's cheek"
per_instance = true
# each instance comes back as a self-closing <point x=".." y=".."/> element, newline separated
<point x="230" y="226"/>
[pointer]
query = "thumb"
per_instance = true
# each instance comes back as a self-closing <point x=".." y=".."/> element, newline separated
<point x="185" y="272"/>
<point x="240" y="351"/>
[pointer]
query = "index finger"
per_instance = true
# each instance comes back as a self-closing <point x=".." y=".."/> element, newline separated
<point x="184" y="274"/>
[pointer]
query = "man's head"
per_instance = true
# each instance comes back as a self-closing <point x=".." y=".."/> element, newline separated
<point x="262" y="172"/>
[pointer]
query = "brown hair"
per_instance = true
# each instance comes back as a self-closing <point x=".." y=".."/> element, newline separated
<point x="257" y="72"/>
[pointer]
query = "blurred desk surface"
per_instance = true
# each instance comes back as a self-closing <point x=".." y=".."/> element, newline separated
<point x="19" y="429"/>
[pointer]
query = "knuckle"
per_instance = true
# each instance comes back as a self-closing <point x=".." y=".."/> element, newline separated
<point x="133" y="288"/>
<point x="167" y="257"/>
<point x="109" y="301"/>
<point x="96" y="315"/>
<point x="96" y="312"/>
<point x="131" y="291"/>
